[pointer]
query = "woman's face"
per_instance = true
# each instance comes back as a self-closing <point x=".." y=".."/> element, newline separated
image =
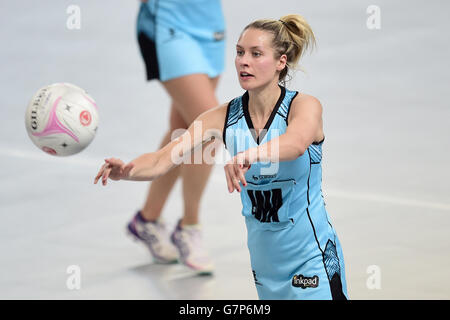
<point x="255" y="61"/>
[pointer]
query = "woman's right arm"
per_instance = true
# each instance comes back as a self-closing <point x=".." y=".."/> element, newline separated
<point x="149" y="166"/>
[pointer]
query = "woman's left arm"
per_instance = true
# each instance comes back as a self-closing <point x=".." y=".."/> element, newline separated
<point x="304" y="124"/>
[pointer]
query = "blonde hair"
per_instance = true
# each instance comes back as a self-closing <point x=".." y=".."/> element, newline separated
<point x="292" y="36"/>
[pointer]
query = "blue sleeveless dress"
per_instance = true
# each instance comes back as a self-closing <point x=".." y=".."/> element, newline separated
<point x="294" y="250"/>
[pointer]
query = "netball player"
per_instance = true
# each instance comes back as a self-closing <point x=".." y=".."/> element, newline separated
<point x="275" y="137"/>
<point x="182" y="44"/>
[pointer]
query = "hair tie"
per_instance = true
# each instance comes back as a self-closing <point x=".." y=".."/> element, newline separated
<point x="283" y="22"/>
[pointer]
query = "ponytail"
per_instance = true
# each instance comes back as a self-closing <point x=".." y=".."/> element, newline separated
<point x="292" y="37"/>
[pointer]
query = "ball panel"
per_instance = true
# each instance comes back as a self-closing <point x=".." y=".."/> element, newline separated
<point x="61" y="119"/>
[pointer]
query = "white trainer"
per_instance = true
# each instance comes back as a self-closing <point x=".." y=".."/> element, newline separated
<point x="155" y="236"/>
<point x="188" y="241"/>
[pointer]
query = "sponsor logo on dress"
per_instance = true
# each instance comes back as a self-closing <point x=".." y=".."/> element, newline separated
<point x="263" y="176"/>
<point x="300" y="281"/>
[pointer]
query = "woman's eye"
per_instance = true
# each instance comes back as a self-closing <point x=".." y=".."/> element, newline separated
<point x="239" y="52"/>
<point x="256" y="54"/>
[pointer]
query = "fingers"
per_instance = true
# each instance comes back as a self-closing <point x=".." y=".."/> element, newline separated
<point x="106" y="173"/>
<point x="235" y="182"/>
<point x="232" y="180"/>
<point x="236" y="177"/>
<point x="239" y="159"/>
<point x="242" y="177"/>
<point x="114" y="169"/>
<point x="103" y="173"/>
<point x="229" y="183"/>
<point x="100" y="173"/>
<point x="234" y="174"/>
<point x="242" y="159"/>
<point x="240" y="168"/>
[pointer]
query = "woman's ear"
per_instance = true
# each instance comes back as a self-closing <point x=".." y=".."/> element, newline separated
<point x="282" y="62"/>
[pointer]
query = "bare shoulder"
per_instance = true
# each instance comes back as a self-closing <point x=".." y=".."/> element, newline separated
<point x="306" y="103"/>
<point x="306" y="111"/>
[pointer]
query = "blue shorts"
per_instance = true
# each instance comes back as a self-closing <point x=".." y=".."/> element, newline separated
<point x="288" y="263"/>
<point x="181" y="37"/>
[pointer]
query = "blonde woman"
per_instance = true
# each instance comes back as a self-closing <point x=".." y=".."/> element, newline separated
<point x="275" y="137"/>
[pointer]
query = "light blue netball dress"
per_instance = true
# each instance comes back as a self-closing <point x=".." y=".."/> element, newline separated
<point x="181" y="37"/>
<point x="294" y="250"/>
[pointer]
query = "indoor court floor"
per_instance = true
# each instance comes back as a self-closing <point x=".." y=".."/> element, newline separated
<point x="386" y="178"/>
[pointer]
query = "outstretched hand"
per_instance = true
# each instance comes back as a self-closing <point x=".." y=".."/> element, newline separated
<point x="114" y="169"/>
<point x="235" y="171"/>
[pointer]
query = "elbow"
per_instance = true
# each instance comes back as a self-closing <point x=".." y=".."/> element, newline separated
<point x="294" y="153"/>
<point x="300" y="151"/>
<point x="297" y="146"/>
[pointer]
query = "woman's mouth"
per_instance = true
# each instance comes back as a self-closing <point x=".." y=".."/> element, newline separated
<point x="245" y="75"/>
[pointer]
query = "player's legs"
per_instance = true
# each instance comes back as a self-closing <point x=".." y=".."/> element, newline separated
<point x="193" y="94"/>
<point x="195" y="176"/>
<point x="184" y="64"/>
<point x="187" y="234"/>
<point x="145" y="225"/>
<point x="160" y="188"/>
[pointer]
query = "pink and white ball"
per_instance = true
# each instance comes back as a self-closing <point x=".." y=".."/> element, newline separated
<point x="61" y="119"/>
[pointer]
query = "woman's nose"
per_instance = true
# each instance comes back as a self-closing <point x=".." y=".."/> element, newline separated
<point x="243" y="61"/>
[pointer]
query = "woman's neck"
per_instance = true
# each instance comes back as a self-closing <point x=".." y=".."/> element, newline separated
<point x="262" y="101"/>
